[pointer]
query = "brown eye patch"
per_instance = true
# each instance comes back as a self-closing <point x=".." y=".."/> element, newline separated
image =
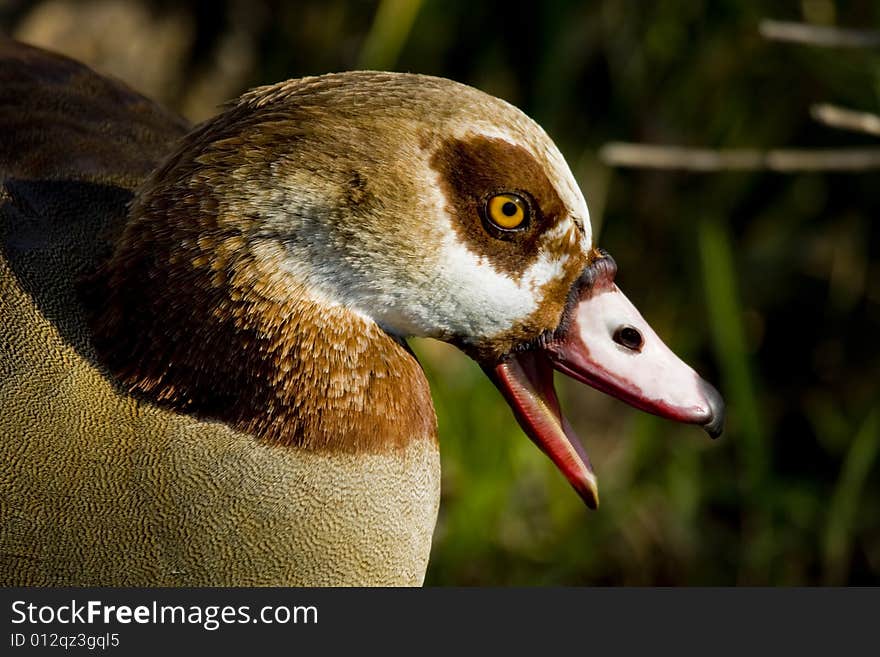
<point x="475" y="169"/>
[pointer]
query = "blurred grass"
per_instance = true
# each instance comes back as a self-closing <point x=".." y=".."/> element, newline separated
<point x="391" y="26"/>
<point x="843" y="508"/>
<point x="728" y="336"/>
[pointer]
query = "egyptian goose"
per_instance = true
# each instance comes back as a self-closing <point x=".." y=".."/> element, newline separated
<point x="204" y="376"/>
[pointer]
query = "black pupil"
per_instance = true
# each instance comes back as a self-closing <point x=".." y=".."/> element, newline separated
<point x="628" y="337"/>
<point x="509" y="209"/>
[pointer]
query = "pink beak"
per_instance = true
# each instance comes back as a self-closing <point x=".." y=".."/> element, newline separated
<point x="604" y="342"/>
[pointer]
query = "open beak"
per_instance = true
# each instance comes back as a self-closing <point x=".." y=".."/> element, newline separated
<point x="604" y="342"/>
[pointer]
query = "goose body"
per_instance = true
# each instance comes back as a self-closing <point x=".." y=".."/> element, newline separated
<point x="204" y="378"/>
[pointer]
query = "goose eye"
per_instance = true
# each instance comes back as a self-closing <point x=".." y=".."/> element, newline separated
<point x="507" y="211"/>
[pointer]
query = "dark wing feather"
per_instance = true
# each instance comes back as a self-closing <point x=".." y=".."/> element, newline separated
<point x="61" y="121"/>
<point x="73" y="147"/>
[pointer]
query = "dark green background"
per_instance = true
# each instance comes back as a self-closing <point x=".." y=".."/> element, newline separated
<point x="768" y="284"/>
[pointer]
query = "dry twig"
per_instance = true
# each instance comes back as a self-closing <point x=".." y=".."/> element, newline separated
<point x="818" y="35"/>
<point x="846" y="119"/>
<point x="652" y="156"/>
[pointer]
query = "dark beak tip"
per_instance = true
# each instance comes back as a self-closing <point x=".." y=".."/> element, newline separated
<point x="714" y="429"/>
<point x="717" y="411"/>
<point x="591" y="502"/>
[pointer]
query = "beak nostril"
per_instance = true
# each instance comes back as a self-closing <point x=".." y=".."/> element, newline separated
<point x="629" y="337"/>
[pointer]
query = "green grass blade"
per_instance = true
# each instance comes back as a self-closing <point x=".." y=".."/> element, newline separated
<point x="845" y="500"/>
<point x="388" y="33"/>
<point x="725" y="316"/>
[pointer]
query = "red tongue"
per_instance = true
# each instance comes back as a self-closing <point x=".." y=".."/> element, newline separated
<point x="526" y="381"/>
<point x="606" y="343"/>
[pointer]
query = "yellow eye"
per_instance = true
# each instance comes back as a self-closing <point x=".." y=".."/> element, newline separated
<point x="507" y="211"/>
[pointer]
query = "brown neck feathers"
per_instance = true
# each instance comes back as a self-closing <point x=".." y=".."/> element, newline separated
<point x="201" y="317"/>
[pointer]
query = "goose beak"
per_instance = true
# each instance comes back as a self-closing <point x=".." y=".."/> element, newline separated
<point x="606" y="343"/>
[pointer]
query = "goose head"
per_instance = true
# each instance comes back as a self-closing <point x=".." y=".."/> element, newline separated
<point x="430" y="209"/>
